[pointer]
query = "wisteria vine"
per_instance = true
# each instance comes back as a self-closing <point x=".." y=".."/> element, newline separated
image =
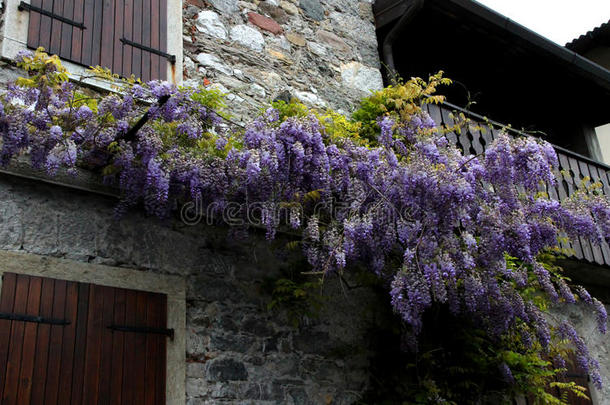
<point x="435" y="225"/>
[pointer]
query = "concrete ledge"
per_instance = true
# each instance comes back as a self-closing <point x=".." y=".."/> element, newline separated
<point x="81" y="179"/>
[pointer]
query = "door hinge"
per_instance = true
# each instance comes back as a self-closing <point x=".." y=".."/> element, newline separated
<point x="170" y="58"/>
<point x="33" y="318"/>
<point x="28" y="7"/>
<point x="143" y="329"/>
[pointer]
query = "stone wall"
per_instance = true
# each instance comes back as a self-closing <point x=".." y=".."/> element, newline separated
<point x="236" y="350"/>
<point x="323" y="52"/>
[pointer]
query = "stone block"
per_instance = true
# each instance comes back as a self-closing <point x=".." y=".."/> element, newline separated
<point x="296" y="39"/>
<point x="317" y="49"/>
<point x="265" y="23"/>
<point x="209" y="23"/>
<point x="114" y="239"/>
<point x="333" y="40"/>
<point x="273" y="11"/>
<point x="231" y="343"/>
<point x="289" y="7"/>
<point x="281" y="386"/>
<point x="226" y="369"/>
<point x="281" y="365"/>
<point x="270" y="79"/>
<point x="195" y="369"/>
<point x="259" y="392"/>
<point x="365" y="10"/>
<point x="196" y="343"/>
<point x="312" y="9"/>
<point x="357" y="76"/>
<point x="227" y="6"/>
<point x="211" y="61"/>
<point x="195" y="387"/>
<point x="257" y="91"/>
<point x="195" y="3"/>
<point x="276" y="54"/>
<point x="347" y="397"/>
<point x="247" y="5"/>
<point x="77" y="232"/>
<point x="255" y="361"/>
<point x="353" y="27"/>
<point x="248" y="37"/>
<point x="308" y="98"/>
<point x="158" y="246"/>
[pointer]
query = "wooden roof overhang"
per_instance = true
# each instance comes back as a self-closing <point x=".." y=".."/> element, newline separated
<point x="513" y="74"/>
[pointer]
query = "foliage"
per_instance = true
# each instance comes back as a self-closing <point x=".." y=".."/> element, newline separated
<point x="437" y="228"/>
<point x="292" y="109"/>
<point x="300" y="298"/>
<point x="44" y="70"/>
<point x="336" y="126"/>
<point x="400" y="101"/>
<point x="457" y="362"/>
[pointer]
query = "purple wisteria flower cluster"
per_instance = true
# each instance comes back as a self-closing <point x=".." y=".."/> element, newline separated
<point x="435" y="225"/>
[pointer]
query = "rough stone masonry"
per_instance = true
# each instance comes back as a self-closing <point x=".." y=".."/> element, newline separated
<point x="324" y="52"/>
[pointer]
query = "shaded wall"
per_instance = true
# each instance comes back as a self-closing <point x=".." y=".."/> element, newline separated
<point x="236" y="350"/>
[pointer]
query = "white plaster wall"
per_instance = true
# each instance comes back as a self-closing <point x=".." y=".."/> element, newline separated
<point x="603" y="138"/>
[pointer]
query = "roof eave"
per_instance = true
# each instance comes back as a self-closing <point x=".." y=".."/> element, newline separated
<point x="385" y="9"/>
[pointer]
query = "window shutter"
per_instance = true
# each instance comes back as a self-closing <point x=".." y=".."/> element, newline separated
<point x="34" y="27"/>
<point x="144" y="39"/>
<point x="126" y="36"/>
<point x="63" y="342"/>
<point x="77" y="34"/>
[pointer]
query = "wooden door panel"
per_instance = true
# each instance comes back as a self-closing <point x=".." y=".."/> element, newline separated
<point x="74" y="354"/>
<point x="80" y="344"/>
<point x="24" y="390"/>
<point x="7" y="299"/>
<point x="42" y="342"/>
<point x="13" y="362"/>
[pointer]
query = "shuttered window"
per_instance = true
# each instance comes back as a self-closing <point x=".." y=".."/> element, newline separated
<point x="126" y="36"/>
<point x="64" y="342"/>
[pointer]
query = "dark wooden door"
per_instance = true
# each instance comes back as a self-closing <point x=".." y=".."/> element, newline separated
<point x="89" y="345"/>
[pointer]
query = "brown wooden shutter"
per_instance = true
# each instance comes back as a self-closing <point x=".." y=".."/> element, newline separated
<point x="89" y="346"/>
<point x="126" y="36"/>
<point x="144" y="38"/>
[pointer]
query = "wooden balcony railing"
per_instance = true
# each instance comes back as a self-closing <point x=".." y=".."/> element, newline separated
<point x="573" y="167"/>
